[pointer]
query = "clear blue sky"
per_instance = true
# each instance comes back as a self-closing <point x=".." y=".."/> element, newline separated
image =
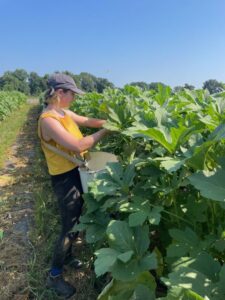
<point x="172" y="41"/>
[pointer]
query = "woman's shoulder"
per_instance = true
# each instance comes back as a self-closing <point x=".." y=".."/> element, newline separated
<point x="51" y="114"/>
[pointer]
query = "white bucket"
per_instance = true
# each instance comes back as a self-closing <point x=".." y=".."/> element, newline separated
<point x="96" y="164"/>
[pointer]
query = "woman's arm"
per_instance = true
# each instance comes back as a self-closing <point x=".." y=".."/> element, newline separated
<point x="85" y="121"/>
<point x="52" y="129"/>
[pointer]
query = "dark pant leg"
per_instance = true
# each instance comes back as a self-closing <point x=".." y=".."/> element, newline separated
<point x="68" y="190"/>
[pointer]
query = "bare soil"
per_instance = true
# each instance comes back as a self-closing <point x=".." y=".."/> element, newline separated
<point x="16" y="210"/>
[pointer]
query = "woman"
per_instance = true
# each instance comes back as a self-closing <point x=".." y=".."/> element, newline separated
<point x="58" y="126"/>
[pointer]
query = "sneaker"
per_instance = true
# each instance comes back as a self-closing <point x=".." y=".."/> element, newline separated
<point x="73" y="262"/>
<point x="60" y="286"/>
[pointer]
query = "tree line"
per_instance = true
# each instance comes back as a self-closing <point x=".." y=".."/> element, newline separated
<point x="33" y="84"/>
<point x="212" y="85"/>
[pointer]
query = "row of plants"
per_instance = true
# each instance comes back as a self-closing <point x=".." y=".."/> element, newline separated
<point x="156" y="218"/>
<point x="10" y="101"/>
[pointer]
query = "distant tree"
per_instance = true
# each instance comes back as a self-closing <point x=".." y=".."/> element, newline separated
<point x="22" y="76"/>
<point x="189" y="87"/>
<point x="8" y="82"/>
<point x="213" y="86"/>
<point x="44" y="82"/>
<point x="33" y="84"/>
<point x="15" y="81"/>
<point x="178" y="88"/>
<point x="181" y="88"/>
<point x="154" y="85"/>
<point x="147" y="86"/>
<point x="87" y="82"/>
<point x="102" y="84"/>
<point x="143" y="85"/>
<point x="36" y="84"/>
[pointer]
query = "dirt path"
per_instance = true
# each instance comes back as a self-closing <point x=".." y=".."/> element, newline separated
<point x="16" y="207"/>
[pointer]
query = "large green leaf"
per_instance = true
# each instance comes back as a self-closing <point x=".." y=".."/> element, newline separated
<point x="202" y="275"/>
<point x="120" y="290"/>
<point x="203" y="263"/>
<point x="91" y="204"/>
<point x="184" y="242"/>
<point x="120" y="236"/>
<point x="95" y="225"/>
<point x="115" y="170"/>
<point x="170" y="140"/>
<point x="142" y="292"/>
<point x="190" y="279"/>
<point x="210" y="184"/>
<point x="221" y="285"/>
<point x="178" y="293"/>
<point x="94" y="233"/>
<point x="163" y="94"/>
<point x="154" y="216"/>
<point x="171" y="164"/>
<point x="141" y="239"/>
<point x="132" y="269"/>
<point x="157" y="135"/>
<point x="130" y="252"/>
<point x="137" y="218"/>
<point x="197" y="155"/>
<point x="141" y="210"/>
<point x="129" y="174"/>
<point x="102" y="186"/>
<point x="114" y="180"/>
<point x="126" y="256"/>
<point x="106" y="257"/>
<point x="123" y="238"/>
<point x="218" y="133"/>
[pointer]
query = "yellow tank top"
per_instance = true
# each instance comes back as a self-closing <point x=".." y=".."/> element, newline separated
<point x="56" y="163"/>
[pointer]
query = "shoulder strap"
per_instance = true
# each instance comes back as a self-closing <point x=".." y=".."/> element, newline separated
<point x="79" y="161"/>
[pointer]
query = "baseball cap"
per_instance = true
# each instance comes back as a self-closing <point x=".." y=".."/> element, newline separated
<point x="63" y="81"/>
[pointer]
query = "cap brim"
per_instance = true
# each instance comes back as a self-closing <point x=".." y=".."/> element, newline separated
<point x="77" y="91"/>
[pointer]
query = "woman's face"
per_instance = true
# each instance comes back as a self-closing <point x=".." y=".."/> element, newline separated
<point x="66" y="98"/>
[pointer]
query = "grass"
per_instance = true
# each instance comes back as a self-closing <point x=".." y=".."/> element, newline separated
<point x="43" y="238"/>
<point x="45" y="232"/>
<point x="9" y="129"/>
<point x="16" y="203"/>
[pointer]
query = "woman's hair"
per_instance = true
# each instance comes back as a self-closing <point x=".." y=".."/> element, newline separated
<point x="51" y="97"/>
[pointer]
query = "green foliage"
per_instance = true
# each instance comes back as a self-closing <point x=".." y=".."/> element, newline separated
<point x="141" y="288"/>
<point x="167" y="189"/>
<point x="210" y="184"/>
<point x="37" y="84"/>
<point x="33" y="84"/>
<point x="10" y="101"/>
<point x="213" y="86"/>
<point x="15" y="81"/>
<point x="201" y="275"/>
<point x="127" y="256"/>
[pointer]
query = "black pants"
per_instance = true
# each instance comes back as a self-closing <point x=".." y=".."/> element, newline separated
<point x="68" y="190"/>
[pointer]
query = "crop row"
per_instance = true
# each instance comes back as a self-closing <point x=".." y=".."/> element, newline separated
<point x="156" y="218"/>
<point x="10" y="101"/>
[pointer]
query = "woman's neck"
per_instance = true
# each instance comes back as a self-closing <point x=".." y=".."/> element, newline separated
<point x="56" y="109"/>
